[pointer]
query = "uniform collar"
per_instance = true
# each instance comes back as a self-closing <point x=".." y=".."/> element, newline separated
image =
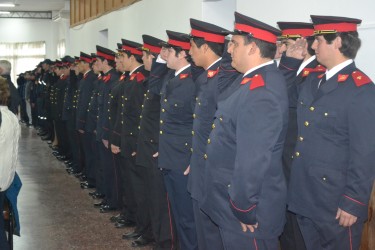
<point x="258" y="67"/>
<point x="213" y="63"/>
<point x="180" y="70"/>
<point x="337" y="68"/>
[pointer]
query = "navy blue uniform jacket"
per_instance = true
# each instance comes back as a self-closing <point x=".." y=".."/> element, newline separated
<point x="244" y="179"/>
<point x="334" y="163"/>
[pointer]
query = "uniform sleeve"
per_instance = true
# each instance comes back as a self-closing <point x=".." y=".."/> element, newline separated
<point x="361" y="169"/>
<point x="289" y="67"/>
<point x="227" y="74"/>
<point x="259" y="125"/>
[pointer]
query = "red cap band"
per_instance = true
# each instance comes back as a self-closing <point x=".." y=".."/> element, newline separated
<point x="153" y="49"/>
<point x="257" y="33"/>
<point x="339" y="27"/>
<point x="108" y="57"/>
<point x="301" y="32"/>
<point x="132" y="50"/>
<point x="209" y="37"/>
<point x="183" y="45"/>
<point x="88" y="60"/>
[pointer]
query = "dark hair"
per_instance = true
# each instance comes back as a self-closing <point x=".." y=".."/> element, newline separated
<point x="267" y="50"/>
<point x="4" y="91"/>
<point x="137" y="57"/>
<point x="350" y="42"/>
<point x="178" y="50"/>
<point x="217" y="48"/>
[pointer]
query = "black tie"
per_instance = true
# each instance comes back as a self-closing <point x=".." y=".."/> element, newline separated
<point x="322" y="81"/>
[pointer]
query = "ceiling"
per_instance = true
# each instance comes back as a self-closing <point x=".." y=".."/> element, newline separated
<point x="35" y="5"/>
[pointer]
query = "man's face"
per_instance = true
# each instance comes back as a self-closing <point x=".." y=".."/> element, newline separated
<point x="126" y="62"/>
<point x="45" y="66"/>
<point x="197" y="54"/>
<point x="95" y="67"/>
<point x="172" y="59"/>
<point x="99" y="64"/>
<point x="239" y="52"/>
<point x="118" y="59"/>
<point x="324" y="52"/>
<point x="147" y="60"/>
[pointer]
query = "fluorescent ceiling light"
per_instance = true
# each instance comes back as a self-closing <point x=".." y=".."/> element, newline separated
<point x="4" y="12"/>
<point x="9" y="5"/>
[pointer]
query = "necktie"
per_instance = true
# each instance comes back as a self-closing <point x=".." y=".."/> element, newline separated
<point x="322" y="81"/>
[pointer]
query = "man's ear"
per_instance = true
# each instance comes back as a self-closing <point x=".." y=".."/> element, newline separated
<point x="338" y="42"/>
<point x="182" y="54"/>
<point x="251" y="48"/>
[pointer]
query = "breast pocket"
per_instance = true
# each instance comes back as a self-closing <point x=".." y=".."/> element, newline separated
<point x="326" y="121"/>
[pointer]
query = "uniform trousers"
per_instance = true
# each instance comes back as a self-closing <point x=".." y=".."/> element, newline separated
<point x="139" y="186"/>
<point x="291" y="238"/>
<point x="162" y="223"/>
<point x="99" y="179"/>
<point x="322" y="235"/>
<point x="73" y="140"/>
<point x="240" y="240"/>
<point x="129" y="206"/>
<point x="208" y="232"/>
<point x="110" y="176"/>
<point x="89" y="151"/>
<point x="62" y="137"/>
<point x="181" y="203"/>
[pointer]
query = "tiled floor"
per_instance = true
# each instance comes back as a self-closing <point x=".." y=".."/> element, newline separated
<point x="55" y="213"/>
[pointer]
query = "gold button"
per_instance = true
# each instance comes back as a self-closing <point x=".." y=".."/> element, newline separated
<point x="312" y="108"/>
<point x="199" y="103"/>
<point x="221" y="119"/>
<point x="143" y="106"/>
<point x="163" y="110"/>
<point x="151" y="140"/>
<point x="229" y="185"/>
<point x="144" y="95"/>
<point x="326" y="114"/>
<point x="122" y="122"/>
<point x="297" y="154"/>
<point x="126" y="98"/>
<point x="191" y="149"/>
<point x="196" y="98"/>
<point x="208" y="141"/>
<point x="213" y="126"/>
<point x="186" y="144"/>
<point x="131" y="133"/>
<point x="139" y="127"/>
<point x="122" y="105"/>
<point x="194" y="116"/>
<point x="205" y="156"/>
<point x="324" y="178"/>
<point x="161" y="132"/>
<point x="192" y="132"/>
<point x="175" y="104"/>
<point x="140" y="117"/>
<point x="165" y="100"/>
<point x="161" y="121"/>
<point x="306" y="123"/>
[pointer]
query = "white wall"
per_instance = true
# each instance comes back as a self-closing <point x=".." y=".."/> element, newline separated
<point x="150" y="17"/>
<point x="30" y="30"/>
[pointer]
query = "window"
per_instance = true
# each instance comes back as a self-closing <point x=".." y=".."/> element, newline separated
<point x="22" y="56"/>
<point x="61" y="48"/>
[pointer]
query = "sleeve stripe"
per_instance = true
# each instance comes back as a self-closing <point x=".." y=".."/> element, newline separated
<point x="241" y="210"/>
<point x="354" y="200"/>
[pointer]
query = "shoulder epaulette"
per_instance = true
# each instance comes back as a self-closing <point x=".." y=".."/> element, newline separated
<point x="256" y="82"/>
<point x="122" y="77"/>
<point x="360" y="78"/>
<point x="140" y="77"/>
<point x="183" y="76"/>
<point x="212" y="73"/>
<point x="307" y="71"/>
<point x="106" y="78"/>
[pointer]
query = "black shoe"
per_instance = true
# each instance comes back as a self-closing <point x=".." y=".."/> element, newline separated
<point x="100" y="204"/>
<point x="46" y="138"/>
<point x="124" y="223"/>
<point x="106" y="209"/>
<point x="116" y="218"/>
<point x="141" y="241"/>
<point x="98" y="196"/>
<point x="87" y="186"/>
<point x="131" y="235"/>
